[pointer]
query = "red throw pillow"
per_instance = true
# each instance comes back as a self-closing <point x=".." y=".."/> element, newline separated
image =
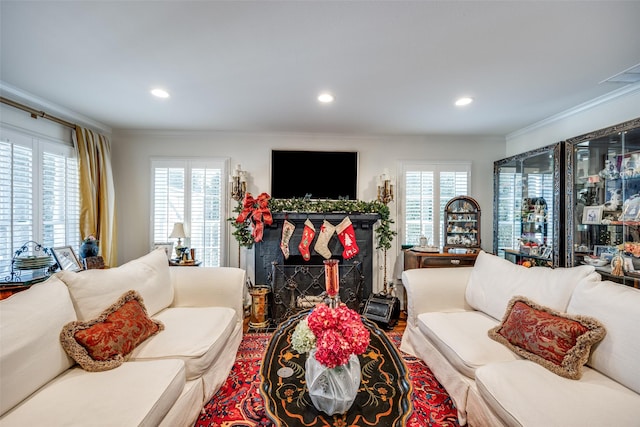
<point x="558" y="341"/>
<point x="103" y="343"/>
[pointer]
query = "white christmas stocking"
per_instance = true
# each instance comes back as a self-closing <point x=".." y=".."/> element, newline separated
<point x="287" y="232"/>
<point x="322" y="244"/>
<point x="347" y="237"/>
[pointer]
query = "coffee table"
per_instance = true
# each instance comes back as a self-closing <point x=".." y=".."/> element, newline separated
<point x="384" y="397"/>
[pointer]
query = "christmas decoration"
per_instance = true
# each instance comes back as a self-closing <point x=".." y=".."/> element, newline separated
<point x="287" y="231"/>
<point x="326" y="232"/>
<point x="384" y="233"/>
<point x="257" y="212"/>
<point x="347" y="237"/>
<point x="307" y="237"/>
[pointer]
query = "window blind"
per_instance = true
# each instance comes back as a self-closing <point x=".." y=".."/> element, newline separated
<point x="39" y="199"/>
<point x="427" y="189"/>
<point x="191" y="192"/>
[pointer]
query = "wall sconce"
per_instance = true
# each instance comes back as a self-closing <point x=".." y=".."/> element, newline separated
<point x="178" y="233"/>
<point x="385" y="188"/>
<point x="238" y="181"/>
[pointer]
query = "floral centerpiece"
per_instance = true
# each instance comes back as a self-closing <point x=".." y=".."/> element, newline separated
<point x="333" y="337"/>
<point x="336" y="334"/>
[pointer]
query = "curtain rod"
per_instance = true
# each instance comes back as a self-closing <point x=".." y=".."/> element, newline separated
<point x="35" y="113"/>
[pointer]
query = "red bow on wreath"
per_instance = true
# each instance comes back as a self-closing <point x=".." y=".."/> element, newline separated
<point x="257" y="211"/>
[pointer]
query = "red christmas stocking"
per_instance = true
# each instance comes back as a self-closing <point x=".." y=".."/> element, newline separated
<point x="287" y="231"/>
<point x="307" y="237"/>
<point x="347" y="237"/>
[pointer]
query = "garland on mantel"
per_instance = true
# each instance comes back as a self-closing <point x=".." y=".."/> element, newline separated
<point x="384" y="233"/>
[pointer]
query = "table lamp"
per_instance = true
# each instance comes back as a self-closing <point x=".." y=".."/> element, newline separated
<point x="178" y="232"/>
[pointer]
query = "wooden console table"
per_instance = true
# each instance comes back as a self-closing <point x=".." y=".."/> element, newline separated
<point x="413" y="259"/>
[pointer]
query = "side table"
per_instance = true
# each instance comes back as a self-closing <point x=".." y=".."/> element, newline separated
<point x="413" y="259"/>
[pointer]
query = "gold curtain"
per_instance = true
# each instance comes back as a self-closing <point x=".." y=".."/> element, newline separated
<point x="97" y="193"/>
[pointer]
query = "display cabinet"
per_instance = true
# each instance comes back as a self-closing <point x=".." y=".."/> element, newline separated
<point x="603" y="200"/>
<point x="462" y="225"/>
<point x="527" y="207"/>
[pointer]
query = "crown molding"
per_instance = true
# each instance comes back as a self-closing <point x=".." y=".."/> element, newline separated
<point x="38" y="103"/>
<point x="618" y="93"/>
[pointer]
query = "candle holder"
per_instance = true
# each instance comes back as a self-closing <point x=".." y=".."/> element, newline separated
<point x="332" y="281"/>
<point x="238" y="182"/>
<point x="385" y="188"/>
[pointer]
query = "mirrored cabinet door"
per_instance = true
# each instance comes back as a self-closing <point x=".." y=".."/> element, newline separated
<point x="527" y="207"/>
<point x="603" y="201"/>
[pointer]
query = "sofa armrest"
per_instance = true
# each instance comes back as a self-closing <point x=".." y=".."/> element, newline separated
<point x="208" y="287"/>
<point x="435" y="289"/>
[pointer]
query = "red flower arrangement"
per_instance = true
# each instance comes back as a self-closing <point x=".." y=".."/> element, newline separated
<point x="339" y="333"/>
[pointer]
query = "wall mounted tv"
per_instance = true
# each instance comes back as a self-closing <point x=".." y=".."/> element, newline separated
<point x="322" y="174"/>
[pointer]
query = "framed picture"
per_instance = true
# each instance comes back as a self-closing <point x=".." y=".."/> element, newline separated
<point x="168" y="248"/>
<point x="547" y="253"/>
<point x="628" y="264"/>
<point x="66" y="258"/>
<point x="602" y="251"/>
<point x="592" y="214"/>
<point x="631" y="209"/>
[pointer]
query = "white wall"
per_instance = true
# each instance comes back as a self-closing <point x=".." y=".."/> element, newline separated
<point x="12" y="118"/>
<point x="132" y="151"/>
<point x="607" y="111"/>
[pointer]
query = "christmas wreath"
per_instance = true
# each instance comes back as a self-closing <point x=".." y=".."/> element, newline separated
<point x="245" y="237"/>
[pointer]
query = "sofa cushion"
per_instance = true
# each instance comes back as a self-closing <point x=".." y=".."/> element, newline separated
<point x="523" y="393"/>
<point x="559" y="342"/>
<point x="462" y="338"/>
<point x="494" y="281"/>
<point x="30" y="351"/>
<point x="104" y="342"/>
<point x="195" y="335"/>
<point x="134" y="394"/>
<point x="94" y="290"/>
<point x="617" y="307"/>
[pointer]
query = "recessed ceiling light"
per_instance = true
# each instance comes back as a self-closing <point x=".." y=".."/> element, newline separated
<point x="160" y="93"/>
<point x="463" y="101"/>
<point x="325" y="97"/>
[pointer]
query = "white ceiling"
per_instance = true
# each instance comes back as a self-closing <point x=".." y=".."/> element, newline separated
<point x="395" y="67"/>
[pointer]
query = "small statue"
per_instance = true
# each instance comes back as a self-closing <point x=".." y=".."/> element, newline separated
<point x="610" y="171"/>
<point x="617" y="266"/>
<point x="615" y="201"/>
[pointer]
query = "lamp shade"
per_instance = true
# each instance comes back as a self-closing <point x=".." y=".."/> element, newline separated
<point x="178" y="231"/>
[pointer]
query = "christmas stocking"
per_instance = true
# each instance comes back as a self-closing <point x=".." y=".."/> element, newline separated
<point x="322" y="244"/>
<point x="287" y="231"/>
<point x="348" y="238"/>
<point x="307" y="237"/>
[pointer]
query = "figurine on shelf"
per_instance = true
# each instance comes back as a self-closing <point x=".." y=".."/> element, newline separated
<point x="617" y="265"/>
<point x="615" y="201"/>
<point x="610" y="170"/>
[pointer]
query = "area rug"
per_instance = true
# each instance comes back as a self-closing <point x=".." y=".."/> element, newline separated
<point x="238" y="402"/>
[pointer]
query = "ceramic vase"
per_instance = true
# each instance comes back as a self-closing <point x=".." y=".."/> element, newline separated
<point x="89" y="249"/>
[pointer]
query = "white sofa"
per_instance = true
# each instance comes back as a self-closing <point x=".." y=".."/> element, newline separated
<point x="450" y="311"/>
<point x="167" y="378"/>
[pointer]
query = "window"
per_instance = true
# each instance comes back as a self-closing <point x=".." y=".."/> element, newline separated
<point x="427" y="189"/>
<point x="190" y="191"/>
<point x="39" y="196"/>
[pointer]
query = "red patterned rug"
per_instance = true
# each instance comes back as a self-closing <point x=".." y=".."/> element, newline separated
<point x="238" y="402"/>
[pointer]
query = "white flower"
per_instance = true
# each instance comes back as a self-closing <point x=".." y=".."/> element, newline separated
<point x="302" y="339"/>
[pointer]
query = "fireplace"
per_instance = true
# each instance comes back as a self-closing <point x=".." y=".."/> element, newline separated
<point x="297" y="284"/>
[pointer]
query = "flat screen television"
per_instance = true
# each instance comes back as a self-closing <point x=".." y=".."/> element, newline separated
<point x="322" y="174"/>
